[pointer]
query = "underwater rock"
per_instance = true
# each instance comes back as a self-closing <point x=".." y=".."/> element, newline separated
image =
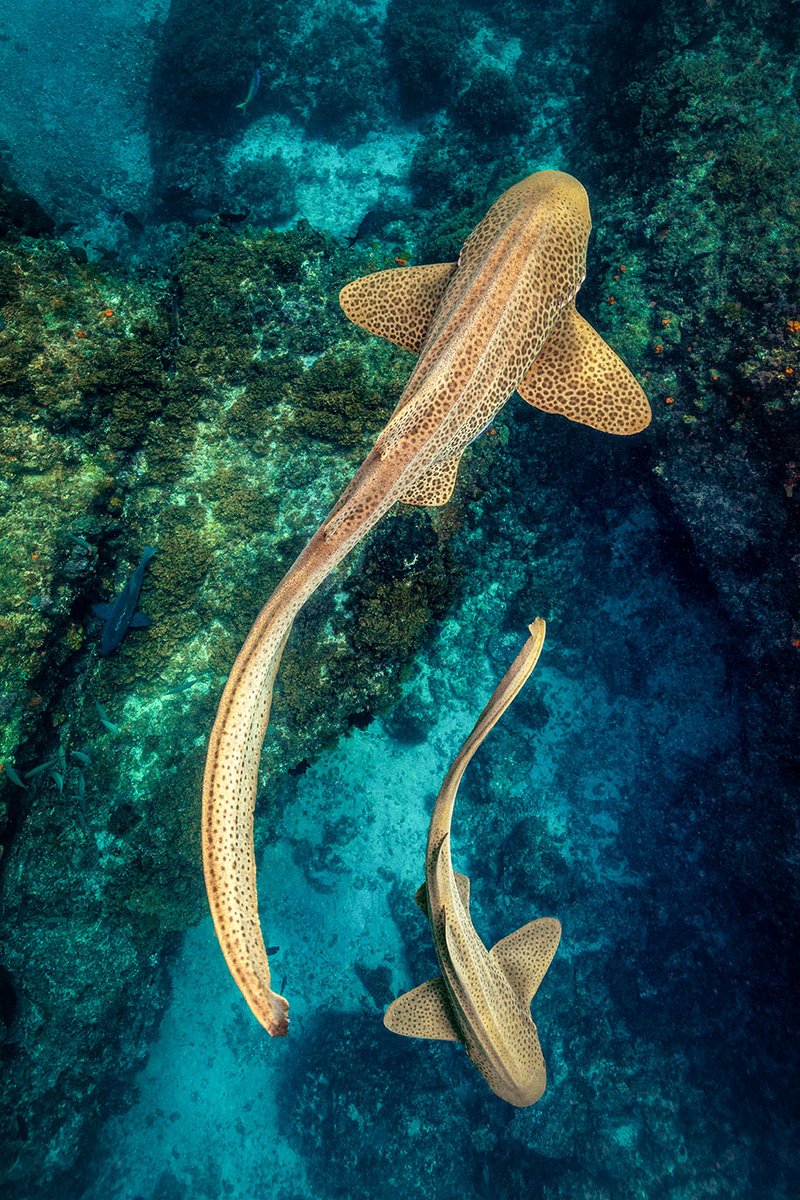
<point x="21" y="214"/>
<point x="75" y="109"/>
<point x="116" y="393"/>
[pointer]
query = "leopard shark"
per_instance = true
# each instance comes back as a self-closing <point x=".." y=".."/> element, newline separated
<point x="500" y="319"/>
<point x="482" y="997"/>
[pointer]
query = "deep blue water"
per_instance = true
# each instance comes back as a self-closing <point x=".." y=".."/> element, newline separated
<point x="641" y="789"/>
<point x="595" y="801"/>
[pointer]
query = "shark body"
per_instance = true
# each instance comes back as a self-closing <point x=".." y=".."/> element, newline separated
<point x="482" y="997"/>
<point x="123" y="614"/>
<point x="501" y="318"/>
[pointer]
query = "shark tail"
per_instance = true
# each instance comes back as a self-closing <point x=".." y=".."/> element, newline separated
<point x="229" y="794"/>
<point x="230" y="783"/>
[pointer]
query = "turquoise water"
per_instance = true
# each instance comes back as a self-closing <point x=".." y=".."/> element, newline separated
<point x="586" y="804"/>
<point x="175" y="372"/>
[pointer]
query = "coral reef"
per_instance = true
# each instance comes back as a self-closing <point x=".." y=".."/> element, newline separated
<point x="145" y="415"/>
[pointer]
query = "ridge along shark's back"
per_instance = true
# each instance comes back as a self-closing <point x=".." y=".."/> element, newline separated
<point x="482" y="997"/>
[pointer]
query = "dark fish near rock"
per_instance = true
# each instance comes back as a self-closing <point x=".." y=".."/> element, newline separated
<point x="373" y="223"/>
<point x="105" y="720"/>
<point x="132" y="223"/>
<point x="233" y="218"/>
<point x="255" y="84"/>
<point x="121" y="616"/>
<point x="13" y="776"/>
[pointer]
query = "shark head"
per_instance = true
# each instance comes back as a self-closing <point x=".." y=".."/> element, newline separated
<point x="549" y="202"/>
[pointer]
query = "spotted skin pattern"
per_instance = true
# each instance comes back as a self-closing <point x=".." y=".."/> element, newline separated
<point x="482" y="997"/>
<point x="578" y="374"/>
<point x="398" y="304"/>
<point x="478" y="326"/>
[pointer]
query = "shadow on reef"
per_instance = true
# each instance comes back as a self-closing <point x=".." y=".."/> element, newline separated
<point x="421" y="1138"/>
<point x="689" y="154"/>
<point x="20" y="215"/>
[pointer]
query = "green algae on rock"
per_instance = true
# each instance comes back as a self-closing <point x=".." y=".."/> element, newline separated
<point x="151" y="413"/>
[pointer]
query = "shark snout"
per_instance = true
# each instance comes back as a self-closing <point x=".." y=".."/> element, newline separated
<point x="525" y="1078"/>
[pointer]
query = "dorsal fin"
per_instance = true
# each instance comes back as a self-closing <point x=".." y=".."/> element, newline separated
<point x="424" y="1012"/>
<point x="462" y="885"/>
<point x="398" y="304"/>
<point x="578" y="375"/>
<point x="434" y="486"/>
<point x="525" y="955"/>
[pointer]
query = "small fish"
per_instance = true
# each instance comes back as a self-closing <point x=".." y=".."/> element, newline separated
<point x="80" y="785"/>
<point x="45" y="766"/>
<point x="13" y="776"/>
<point x="80" y="541"/>
<point x="133" y="223"/>
<point x="121" y="616"/>
<point x="82" y="820"/>
<point x="182" y="687"/>
<point x="104" y="718"/>
<point x="58" y="780"/>
<point x="81" y="757"/>
<point x="373" y="224"/>
<point x="255" y="84"/>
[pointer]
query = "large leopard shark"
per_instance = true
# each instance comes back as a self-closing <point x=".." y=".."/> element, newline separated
<point x="481" y="997"/>
<point x="502" y="318"/>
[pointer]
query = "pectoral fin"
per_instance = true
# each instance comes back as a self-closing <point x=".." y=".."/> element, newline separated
<point x="424" y="1012"/>
<point x="397" y="305"/>
<point x="578" y="375"/>
<point x="436" y="485"/>
<point x="525" y="955"/>
<point x="103" y="611"/>
<point x="140" y="621"/>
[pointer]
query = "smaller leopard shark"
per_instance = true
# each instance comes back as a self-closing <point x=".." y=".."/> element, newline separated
<point x="482" y="997"/>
